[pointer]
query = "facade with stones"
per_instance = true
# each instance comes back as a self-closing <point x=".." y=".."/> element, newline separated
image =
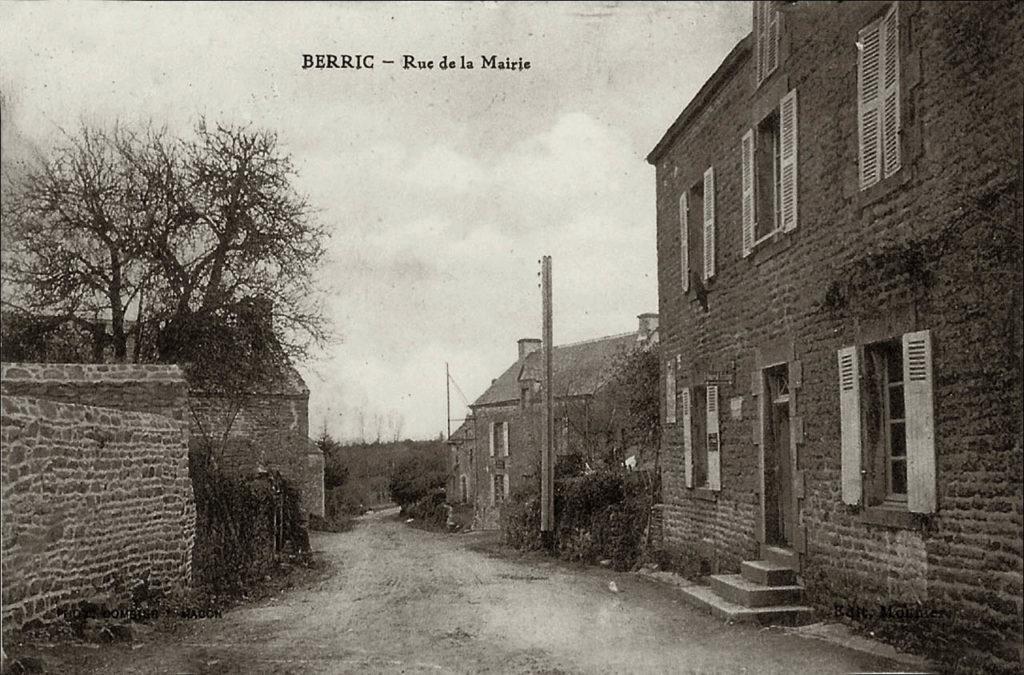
<point x="495" y="453"/>
<point x="837" y="214"/>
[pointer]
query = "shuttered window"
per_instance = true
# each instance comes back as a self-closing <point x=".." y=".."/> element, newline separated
<point x="878" y="99"/>
<point x="770" y="176"/>
<point x="887" y="422"/>
<point x="766" y="39"/>
<point x="670" y="392"/>
<point x="490" y="438"/>
<point x="685" y="402"/>
<point x="709" y="223"/>
<point x="684" y="240"/>
<point x="713" y="440"/>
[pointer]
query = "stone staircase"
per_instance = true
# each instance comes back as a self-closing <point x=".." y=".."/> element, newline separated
<point x="765" y="592"/>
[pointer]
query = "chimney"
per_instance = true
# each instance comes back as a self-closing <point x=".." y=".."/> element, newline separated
<point x="527" y="346"/>
<point x="648" y="324"/>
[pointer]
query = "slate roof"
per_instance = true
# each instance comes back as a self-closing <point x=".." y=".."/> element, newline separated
<point x="578" y="369"/>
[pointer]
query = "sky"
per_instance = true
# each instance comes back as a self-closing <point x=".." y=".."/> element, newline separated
<point x="441" y="189"/>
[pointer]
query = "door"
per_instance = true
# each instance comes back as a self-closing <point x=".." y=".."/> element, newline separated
<point x="779" y="512"/>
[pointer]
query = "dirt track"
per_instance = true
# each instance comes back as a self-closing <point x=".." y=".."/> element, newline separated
<point x="404" y="600"/>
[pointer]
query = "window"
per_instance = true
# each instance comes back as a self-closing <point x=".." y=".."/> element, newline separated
<point x="499" y="488"/>
<point x="701" y="444"/>
<point x="697" y="229"/>
<point x="878" y="98"/>
<point x="887" y="423"/>
<point x="766" y="39"/>
<point x="499" y="439"/>
<point x="464" y="488"/>
<point x="769" y="175"/>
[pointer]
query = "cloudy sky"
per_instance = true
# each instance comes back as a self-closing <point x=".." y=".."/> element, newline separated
<point x="442" y="189"/>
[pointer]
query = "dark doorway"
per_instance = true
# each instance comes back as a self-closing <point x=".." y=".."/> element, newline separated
<point x="778" y="468"/>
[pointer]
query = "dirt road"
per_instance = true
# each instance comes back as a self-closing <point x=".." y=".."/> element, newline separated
<point x="404" y="600"/>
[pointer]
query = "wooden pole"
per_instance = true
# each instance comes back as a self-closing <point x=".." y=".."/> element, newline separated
<point x="547" y="465"/>
<point x="448" y="400"/>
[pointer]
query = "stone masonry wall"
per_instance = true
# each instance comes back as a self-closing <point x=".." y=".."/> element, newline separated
<point x="149" y="388"/>
<point x="959" y="189"/>
<point x="94" y="499"/>
<point x="268" y="431"/>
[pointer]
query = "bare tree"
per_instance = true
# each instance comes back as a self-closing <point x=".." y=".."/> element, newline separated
<point x="171" y="240"/>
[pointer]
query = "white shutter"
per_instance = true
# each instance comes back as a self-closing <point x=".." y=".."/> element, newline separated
<point x="918" y="390"/>
<point x="714" y="441"/>
<point x="684" y="239"/>
<point x="670" y="393"/>
<point x="747" y="154"/>
<point x="709" y="223"/>
<point x="759" y="24"/>
<point x="890" y="38"/>
<point x="687" y="438"/>
<point x="868" y="104"/>
<point x="788" y="152"/>
<point x="490" y="438"/>
<point x="505" y="480"/>
<point x="771" y="36"/>
<point x="849" y="423"/>
<point x="508" y="448"/>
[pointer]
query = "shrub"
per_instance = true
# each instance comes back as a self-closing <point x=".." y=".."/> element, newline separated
<point x="429" y="509"/>
<point x="414" y="478"/>
<point x="241" y="524"/>
<point x="601" y="515"/>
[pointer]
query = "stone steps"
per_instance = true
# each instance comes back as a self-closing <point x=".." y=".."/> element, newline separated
<point x="765" y="592"/>
<point x="785" y="615"/>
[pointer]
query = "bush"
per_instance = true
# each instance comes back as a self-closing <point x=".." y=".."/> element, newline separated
<point x="520" y="522"/>
<point x="241" y="524"/>
<point x="598" y="516"/>
<point x="415" y="478"/>
<point x="430" y="509"/>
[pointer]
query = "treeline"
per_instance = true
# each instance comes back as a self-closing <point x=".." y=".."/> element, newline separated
<point x="363" y="475"/>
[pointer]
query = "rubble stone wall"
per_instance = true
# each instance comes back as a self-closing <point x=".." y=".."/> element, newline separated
<point x="94" y="500"/>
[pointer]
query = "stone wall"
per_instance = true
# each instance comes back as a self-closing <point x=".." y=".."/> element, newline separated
<point x="94" y="499"/>
<point x="157" y="389"/>
<point x="959" y="190"/>
<point x="268" y="432"/>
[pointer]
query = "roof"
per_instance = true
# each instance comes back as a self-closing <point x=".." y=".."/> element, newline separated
<point x="703" y="97"/>
<point x="462" y="433"/>
<point x="578" y="369"/>
<point x="286" y="381"/>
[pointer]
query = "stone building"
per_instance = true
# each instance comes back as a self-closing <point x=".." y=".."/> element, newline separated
<point x="837" y="214"/>
<point x="496" y="451"/>
<point x="266" y="429"/>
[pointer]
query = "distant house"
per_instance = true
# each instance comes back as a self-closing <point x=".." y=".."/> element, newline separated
<point x="497" y="450"/>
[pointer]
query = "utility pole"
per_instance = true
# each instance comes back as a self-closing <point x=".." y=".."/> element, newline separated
<point x="448" y="400"/>
<point x="547" y="465"/>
